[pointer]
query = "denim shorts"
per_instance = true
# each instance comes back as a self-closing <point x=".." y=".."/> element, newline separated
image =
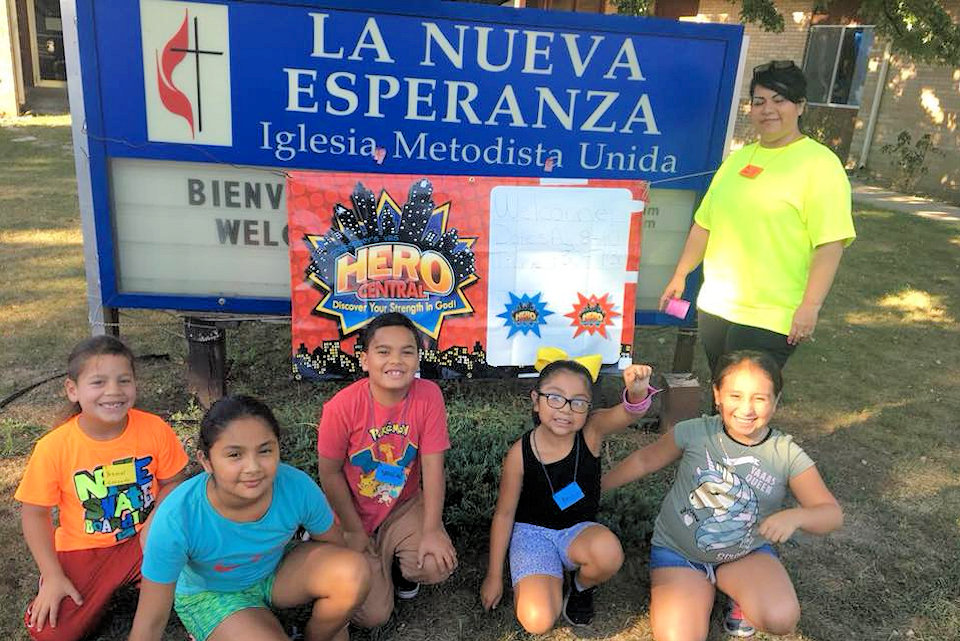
<point x="664" y="557"/>
<point x="541" y="550"/>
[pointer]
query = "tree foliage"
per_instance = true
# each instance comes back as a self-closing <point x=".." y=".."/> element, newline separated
<point x="920" y="29"/>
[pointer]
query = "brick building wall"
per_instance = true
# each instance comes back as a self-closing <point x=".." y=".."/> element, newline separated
<point x="919" y="99"/>
<point x="764" y="46"/>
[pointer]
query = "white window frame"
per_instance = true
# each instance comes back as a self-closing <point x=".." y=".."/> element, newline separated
<point x="836" y="60"/>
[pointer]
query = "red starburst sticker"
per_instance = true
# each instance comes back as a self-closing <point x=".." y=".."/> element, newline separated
<point x="592" y="315"/>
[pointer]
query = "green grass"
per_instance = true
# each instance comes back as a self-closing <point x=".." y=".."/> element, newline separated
<point x="874" y="400"/>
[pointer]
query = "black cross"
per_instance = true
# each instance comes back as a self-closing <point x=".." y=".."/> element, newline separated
<point x="196" y="58"/>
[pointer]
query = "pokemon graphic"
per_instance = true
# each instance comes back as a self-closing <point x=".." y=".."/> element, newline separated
<point x="378" y="456"/>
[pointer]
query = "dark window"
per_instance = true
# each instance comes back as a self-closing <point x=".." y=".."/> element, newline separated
<point x="49" y="34"/>
<point x="836" y="64"/>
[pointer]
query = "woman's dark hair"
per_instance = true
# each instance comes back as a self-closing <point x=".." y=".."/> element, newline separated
<point x="561" y="366"/>
<point x="390" y="319"/>
<point x="229" y="409"/>
<point x="85" y="350"/>
<point x="782" y="76"/>
<point x="763" y="360"/>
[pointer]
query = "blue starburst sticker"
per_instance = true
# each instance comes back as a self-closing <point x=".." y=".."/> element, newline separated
<point x="525" y="314"/>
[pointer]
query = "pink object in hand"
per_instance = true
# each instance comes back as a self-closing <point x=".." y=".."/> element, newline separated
<point x="678" y="307"/>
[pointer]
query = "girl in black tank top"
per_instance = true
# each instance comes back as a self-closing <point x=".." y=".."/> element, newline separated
<point x="536" y="505"/>
<point x="549" y="494"/>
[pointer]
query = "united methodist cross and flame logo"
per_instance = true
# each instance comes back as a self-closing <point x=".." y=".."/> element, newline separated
<point x="186" y="72"/>
<point x="592" y="315"/>
<point x="174" y="52"/>
<point x="382" y="257"/>
<point x="525" y="314"/>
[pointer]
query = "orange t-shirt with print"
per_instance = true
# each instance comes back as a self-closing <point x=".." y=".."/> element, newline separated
<point x="104" y="490"/>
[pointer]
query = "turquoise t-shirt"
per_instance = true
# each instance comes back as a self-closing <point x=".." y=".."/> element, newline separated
<point x="191" y="543"/>
<point x="723" y="490"/>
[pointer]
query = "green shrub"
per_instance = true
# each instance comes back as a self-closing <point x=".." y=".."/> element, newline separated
<point x="484" y="420"/>
<point x="910" y="158"/>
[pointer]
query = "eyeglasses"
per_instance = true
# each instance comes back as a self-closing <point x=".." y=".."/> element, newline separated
<point x="773" y="64"/>
<point x="558" y="402"/>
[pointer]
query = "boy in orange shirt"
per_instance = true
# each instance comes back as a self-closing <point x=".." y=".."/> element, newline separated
<point x="105" y="470"/>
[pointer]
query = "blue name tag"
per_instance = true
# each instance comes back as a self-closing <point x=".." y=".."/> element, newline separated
<point x="568" y="496"/>
<point x="390" y="473"/>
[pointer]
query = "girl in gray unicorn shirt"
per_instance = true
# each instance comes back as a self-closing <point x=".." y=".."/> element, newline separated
<point x="724" y="509"/>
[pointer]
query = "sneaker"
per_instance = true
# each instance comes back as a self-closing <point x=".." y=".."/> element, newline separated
<point x="734" y="623"/>
<point x="403" y="587"/>
<point x="578" y="606"/>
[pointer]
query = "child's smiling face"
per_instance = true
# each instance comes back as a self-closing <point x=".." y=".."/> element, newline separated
<point x="746" y="400"/>
<point x="243" y="460"/>
<point x="106" y="390"/>
<point x="571" y="387"/>
<point x="392" y="359"/>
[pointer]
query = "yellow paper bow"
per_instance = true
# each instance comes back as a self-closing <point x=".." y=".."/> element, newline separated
<point x="547" y="355"/>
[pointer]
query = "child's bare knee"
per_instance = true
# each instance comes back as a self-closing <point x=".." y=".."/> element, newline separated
<point x="606" y="553"/>
<point x="780" y="618"/>
<point x="681" y="631"/>
<point x="610" y="553"/>
<point x="353" y="577"/>
<point x="536" y="618"/>
<point x="343" y="576"/>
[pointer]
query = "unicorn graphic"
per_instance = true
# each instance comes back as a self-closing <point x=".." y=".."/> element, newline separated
<point x="734" y="504"/>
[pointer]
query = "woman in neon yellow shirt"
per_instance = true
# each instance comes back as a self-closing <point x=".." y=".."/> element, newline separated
<point x="770" y="230"/>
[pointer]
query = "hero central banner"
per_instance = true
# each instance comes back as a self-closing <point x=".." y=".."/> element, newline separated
<point x="489" y="269"/>
<point x="430" y="88"/>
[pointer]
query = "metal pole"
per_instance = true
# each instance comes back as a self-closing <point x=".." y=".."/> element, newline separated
<point x="99" y="318"/>
<point x="206" y="360"/>
<point x="875" y="107"/>
<point x="683" y="353"/>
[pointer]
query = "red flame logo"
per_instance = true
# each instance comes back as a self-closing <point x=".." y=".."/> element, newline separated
<point x="173" y="99"/>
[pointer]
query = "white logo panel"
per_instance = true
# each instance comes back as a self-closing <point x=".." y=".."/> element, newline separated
<point x="186" y="72"/>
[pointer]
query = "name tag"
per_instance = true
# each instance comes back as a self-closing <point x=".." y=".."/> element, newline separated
<point x="390" y="473"/>
<point x="751" y="171"/>
<point x="119" y="474"/>
<point x="568" y="496"/>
